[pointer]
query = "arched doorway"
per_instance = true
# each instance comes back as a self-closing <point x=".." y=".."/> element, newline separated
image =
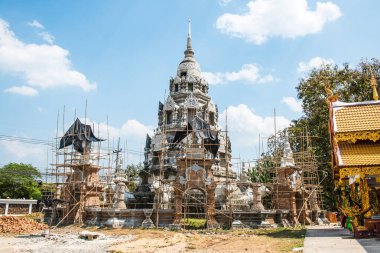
<point x="194" y="204"/>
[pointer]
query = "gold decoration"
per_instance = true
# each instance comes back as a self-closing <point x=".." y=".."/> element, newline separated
<point x="363" y="135"/>
<point x="365" y="197"/>
<point x="346" y="172"/>
<point x="373" y="85"/>
<point x="330" y="95"/>
<point x="335" y="142"/>
<point x="358" y="194"/>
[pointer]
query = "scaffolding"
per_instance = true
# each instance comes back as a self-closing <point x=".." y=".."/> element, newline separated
<point x="80" y="180"/>
<point x="86" y="181"/>
<point x="194" y="201"/>
<point x="302" y="196"/>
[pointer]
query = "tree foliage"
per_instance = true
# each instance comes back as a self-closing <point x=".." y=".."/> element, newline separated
<point x="132" y="171"/>
<point x="261" y="172"/>
<point x="350" y="84"/>
<point x="18" y="180"/>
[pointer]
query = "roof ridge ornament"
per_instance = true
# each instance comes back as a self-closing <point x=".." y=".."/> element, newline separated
<point x="373" y="85"/>
<point x="330" y="95"/>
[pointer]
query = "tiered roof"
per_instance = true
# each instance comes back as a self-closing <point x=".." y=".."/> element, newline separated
<point x="354" y="117"/>
<point x="359" y="154"/>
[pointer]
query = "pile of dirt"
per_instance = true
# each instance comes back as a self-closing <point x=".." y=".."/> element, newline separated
<point x="15" y="225"/>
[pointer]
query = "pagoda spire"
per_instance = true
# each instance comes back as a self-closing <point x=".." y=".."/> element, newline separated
<point x="373" y="85"/>
<point x="189" y="50"/>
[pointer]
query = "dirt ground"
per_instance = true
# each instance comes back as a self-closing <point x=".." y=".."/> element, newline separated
<point x="138" y="240"/>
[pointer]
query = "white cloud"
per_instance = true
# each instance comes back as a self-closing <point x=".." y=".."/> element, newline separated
<point x="292" y="103"/>
<point x="22" y="90"/>
<point x="47" y="37"/>
<point x="284" y="18"/>
<point x="244" y="127"/>
<point x="315" y="62"/>
<point x="42" y="66"/>
<point x="132" y="129"/>
<point x="249" y="73"/>
<point x="35" y="24"/>
<point x="23" y="153"/>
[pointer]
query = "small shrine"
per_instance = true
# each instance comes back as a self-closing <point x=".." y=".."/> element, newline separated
<point x="355" y="153"/>
<point x="289" y="190"/>
<point x="83" y="186"/>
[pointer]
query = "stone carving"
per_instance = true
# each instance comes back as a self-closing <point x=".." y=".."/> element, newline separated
<point x="197" y="177"/>
<point x="119" y="195"/>
<point x="287" y="159"/>
<point x="170" y="105"/>
<point x="191" y="102"/>
<point x="148" y="223"/>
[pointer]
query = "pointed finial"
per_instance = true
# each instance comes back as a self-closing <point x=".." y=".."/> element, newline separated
<point x="189" y="50"/>
<point x="287" y="159"/>
<point x="373" y="85"/>
<point x="330" y="95"/>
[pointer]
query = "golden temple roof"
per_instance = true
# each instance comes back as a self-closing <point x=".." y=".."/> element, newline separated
<point x="359" y="154"/>
<point x="354" y="117"/>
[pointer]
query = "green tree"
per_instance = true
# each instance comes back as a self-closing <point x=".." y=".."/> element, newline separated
<point x="350" y="84"/>
<point x="18" y="180"/>
<point x="132" y="171"/>
<point x="261" y="172"/>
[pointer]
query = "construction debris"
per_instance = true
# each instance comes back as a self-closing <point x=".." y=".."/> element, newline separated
<point x="15" y="225"/>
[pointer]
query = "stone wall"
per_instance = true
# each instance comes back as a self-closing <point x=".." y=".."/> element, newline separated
<point x="16" y="209"/>
<point x="253" y="219"/>
<point x="126" y="218"/>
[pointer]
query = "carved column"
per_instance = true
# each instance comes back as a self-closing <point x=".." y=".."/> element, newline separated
<point x="177" y="203"/>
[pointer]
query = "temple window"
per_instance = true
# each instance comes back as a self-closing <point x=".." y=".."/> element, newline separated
<point x="211" y="118"/>
<point x="176" y="88"/>
<point x="183" y="73"/>
<point x="190" y="87"/>
<point x="169" y="117"/>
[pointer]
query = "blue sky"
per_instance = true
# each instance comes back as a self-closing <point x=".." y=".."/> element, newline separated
<point x="120" y="55"/>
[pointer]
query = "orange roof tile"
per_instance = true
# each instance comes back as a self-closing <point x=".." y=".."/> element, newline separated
<point x="358" y="154"/>
<point x="363" y="117"/>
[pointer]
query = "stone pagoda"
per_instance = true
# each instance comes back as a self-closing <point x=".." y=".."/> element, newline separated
<point x="187" y="144"/>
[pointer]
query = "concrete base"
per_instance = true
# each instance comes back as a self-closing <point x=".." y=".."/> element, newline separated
<point x="237" y="224"/>
<point x="147" y="224"/>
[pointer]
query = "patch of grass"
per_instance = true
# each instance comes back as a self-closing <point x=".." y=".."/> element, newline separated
<point x="282" y="239"/>
<point x="192" y="223"/>
<point x="288" y="238"/>
<point x="282" y="232"/>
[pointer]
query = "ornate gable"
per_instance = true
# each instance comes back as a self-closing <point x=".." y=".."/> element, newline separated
<point x="191" y="102"/>
<point x="170" y="105"/>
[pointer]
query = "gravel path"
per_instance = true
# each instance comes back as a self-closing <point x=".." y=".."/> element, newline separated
<point x="59" y="243"/>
